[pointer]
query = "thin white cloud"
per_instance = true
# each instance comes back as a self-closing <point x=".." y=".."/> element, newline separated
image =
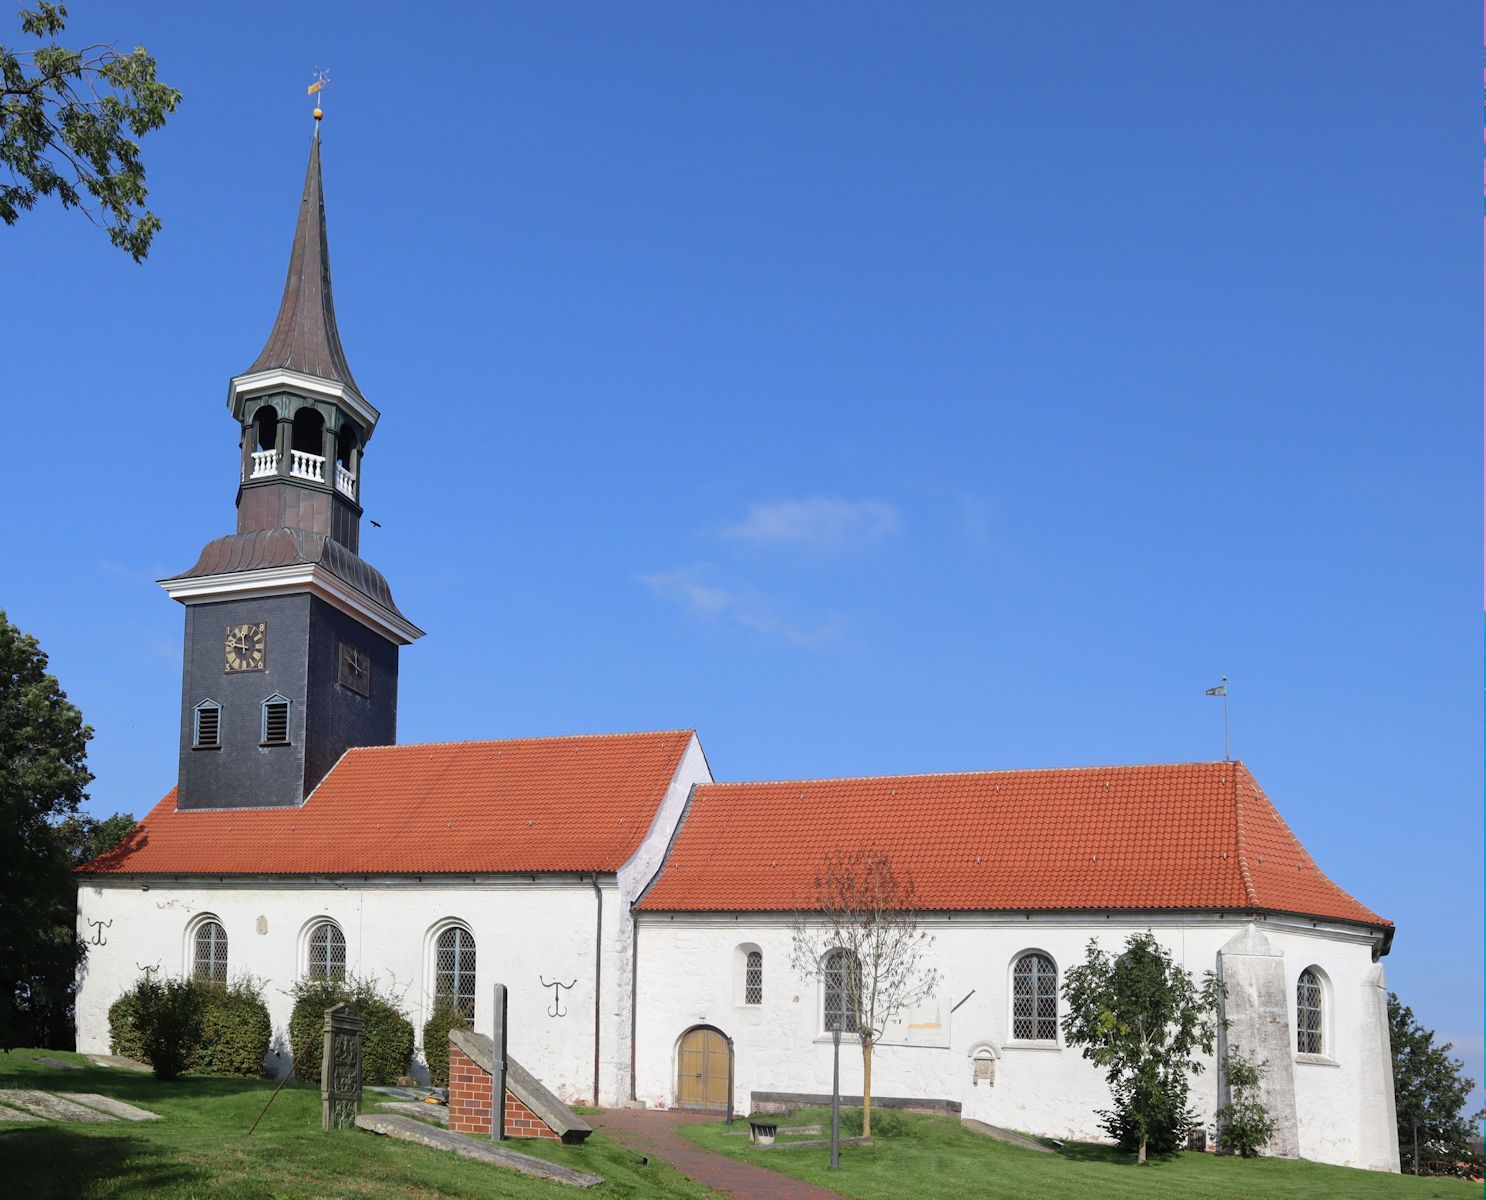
<point x="819" y="523"/>
<point x="745" y="607"/>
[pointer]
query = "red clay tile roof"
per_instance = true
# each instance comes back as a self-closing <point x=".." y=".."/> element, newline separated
<point x="1190" y="835"/>
<point x="538" y="804"/>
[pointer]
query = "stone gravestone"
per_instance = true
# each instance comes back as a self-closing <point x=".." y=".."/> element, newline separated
<point x="340" y="1069"/>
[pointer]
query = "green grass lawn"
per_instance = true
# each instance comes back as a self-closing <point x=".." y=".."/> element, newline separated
<point x="933" y="1158"/>
<point x="201" y="1150"/>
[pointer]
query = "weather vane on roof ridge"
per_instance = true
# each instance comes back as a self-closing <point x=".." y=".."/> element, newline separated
<point x="322" y="77"/>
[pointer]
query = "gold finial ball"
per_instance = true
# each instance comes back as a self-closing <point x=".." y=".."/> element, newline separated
<point x="319" y="112"/>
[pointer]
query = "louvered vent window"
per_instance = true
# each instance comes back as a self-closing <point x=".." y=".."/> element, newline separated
<point x="276" y="721"/>
<point x="840" y="1011"/>
<point x="208" y="725"/>
<point x="1308" y="1015"/>
<point x="454" y="969"/>
<point x="327" y="953"/>
<point x="753" y="978"/>
<point x="1034" y="1003"/>
<point x="210" y="958"/>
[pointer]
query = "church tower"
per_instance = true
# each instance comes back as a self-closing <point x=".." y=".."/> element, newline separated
<point x="291" y="637"/>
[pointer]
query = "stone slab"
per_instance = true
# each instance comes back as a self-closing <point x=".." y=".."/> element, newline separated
<point x="57" y="1062"/>
<point x="408" y="1130"/>
<point x="813" y="1143"/>
<point x="54" y="1108"/>
<point x="778" y="1102"/>
<point x="436" y="1113"/>
<point x="782" y="1129"/>
<point x="400" y="1093"/>
<point x="14" y="1114"/>
<point x="119" y="1061"/>
<point x="1010" y="1137"/>
<point x="115" y="1108"/>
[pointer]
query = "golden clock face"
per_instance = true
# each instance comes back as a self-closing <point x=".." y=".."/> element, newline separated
<point x="246" y="645"/>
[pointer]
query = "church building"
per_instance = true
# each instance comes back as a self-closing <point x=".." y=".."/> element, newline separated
<point x="639" y="911"/>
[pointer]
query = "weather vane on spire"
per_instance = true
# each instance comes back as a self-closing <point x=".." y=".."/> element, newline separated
<point x="322" y="77"/>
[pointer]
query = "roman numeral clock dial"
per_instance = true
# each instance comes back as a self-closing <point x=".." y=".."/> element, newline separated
<point x="246" y="646"/>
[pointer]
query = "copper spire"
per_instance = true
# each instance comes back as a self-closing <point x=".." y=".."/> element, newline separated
<point x="304" y="336"/>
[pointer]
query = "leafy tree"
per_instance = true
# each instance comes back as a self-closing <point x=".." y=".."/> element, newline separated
<point x="1140" y="1016"/>
<point x="43" y="777"/>
<point x="67" y="123"/>
<point x="1430" y="1090"/>
<point x="863" y="908"/>
<point x="1244" y="1124"/>
<point x="84" y="837"/>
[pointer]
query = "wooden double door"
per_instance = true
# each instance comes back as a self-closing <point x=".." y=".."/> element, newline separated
<point x="704" y="1070"/>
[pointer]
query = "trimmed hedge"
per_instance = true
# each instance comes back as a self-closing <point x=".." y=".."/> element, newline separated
<point x="445" y="1017"/>
<point x="387" y="1051"/>
<point x="235" y="1031"/>
<point x="217" y="1030"/>
<point x="123" y="1026"/>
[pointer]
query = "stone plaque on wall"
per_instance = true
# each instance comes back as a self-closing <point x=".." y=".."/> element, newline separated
<point x="340" y="1068"/>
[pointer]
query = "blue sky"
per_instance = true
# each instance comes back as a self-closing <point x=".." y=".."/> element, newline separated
<point x="876" y="388"/>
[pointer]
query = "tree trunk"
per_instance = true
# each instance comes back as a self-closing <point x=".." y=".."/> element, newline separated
<point x="1140" y="1156"/>
<point x="866" y="1087"/>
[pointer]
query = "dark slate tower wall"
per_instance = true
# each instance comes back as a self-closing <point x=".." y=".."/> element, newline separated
<point x="339" y="717"/>
<point x="302" y="662"/>
<point x="243" y="773"/>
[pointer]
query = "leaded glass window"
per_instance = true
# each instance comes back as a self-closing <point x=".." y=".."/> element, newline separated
<point x="327" y="959"/>
<point x="1309" y="1031"/>
<point x="1034" y="999"/>
<point x="454" y="969"/>
<point x="753" y="978"/>
<point x="840" y="1013"/>
<point x="209" y="961"/>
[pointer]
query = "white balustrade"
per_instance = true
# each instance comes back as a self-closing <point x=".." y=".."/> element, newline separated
<point x="265" y="462"/>
<point x="307" y="466"/>
<point x="345" y="481"/>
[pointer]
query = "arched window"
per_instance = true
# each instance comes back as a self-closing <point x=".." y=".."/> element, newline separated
<point x="454" y="969"/>
<point x="309" y="432"/>
<point x="841" y="989"/>
<point x="1034" y="999"/>
<point x="266" y="427"/>
<point x="326" y="958"/>
<point x="753" y="978"/>
<point x="207" y="725"/>
<point x="209" y="952"/>
<point x="1310" y="1031"/>
<point x="276" y="720"/>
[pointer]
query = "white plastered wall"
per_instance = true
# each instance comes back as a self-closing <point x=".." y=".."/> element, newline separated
<point x="686" y="978"/>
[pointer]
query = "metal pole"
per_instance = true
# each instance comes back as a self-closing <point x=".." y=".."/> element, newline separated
<point x="1227" y="754"/>
<point x="498" y="1067"/>
<point x="730" y="1081"/>
<point x="835" y="1099"/>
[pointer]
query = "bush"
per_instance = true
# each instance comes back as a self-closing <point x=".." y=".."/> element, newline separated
<point x="446" y="1016"/>
<point x="168" y="1018"/>
<point x="1168" y="1118"/>
<point x="1244" y="1125"/>
<point x="235" y="1030"/>
<point x="123" y="1026"/>
<point x="388" y="1047"/>
<point x="232" y="1033"/>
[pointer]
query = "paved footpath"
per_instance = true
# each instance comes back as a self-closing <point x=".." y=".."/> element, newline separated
<point x="655" y="1134"/>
